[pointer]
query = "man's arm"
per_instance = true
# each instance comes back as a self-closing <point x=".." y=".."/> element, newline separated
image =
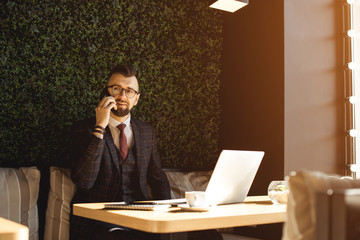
<point x="88" y="144"/>
<point x="86" y="156"/>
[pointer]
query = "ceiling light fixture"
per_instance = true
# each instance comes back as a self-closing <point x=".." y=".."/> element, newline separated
<point x="229" y="5"/>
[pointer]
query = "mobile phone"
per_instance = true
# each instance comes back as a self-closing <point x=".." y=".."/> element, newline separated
<point x="105" y="92"/>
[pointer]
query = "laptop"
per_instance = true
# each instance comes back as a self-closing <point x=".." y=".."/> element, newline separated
<point x="231" y="179"/>
<point x="233" y="175"/>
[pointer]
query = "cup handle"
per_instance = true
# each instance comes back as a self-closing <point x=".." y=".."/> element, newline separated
<point x="195" y="200"/>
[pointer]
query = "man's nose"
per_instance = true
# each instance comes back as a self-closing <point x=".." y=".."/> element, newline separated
<point x="122" y="93"/>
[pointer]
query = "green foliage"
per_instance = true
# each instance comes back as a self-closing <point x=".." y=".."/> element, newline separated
<point x="54" y="60"/>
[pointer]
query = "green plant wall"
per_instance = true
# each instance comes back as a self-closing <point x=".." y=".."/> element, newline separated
<point x="55" y="56"/>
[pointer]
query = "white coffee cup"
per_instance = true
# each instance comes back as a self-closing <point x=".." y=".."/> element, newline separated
<point x="196" y="199"/>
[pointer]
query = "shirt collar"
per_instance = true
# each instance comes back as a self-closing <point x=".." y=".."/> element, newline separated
<point x="113" y="122"/>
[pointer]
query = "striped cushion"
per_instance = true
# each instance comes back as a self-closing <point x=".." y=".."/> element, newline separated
<point x="181" y="182"/>
<point x="19" y="194"/>
<point x="62" y="190"/>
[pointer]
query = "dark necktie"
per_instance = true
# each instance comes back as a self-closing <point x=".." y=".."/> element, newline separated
<point x="123" y="141"/>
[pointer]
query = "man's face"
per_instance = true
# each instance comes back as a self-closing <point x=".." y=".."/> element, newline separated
<point x="124" y="104"/>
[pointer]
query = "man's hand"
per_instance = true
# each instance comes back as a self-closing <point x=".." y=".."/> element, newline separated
<point x="103" y="111"/>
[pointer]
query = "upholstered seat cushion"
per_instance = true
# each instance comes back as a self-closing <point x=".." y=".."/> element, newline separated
<point x="62" y="190"/>
<point x="301" y="212"/>
<point x="182" y="181"/>
<point x="19" y="190"/>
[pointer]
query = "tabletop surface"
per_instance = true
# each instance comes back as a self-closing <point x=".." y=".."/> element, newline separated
<point x="254" y="210"/>
<point x="12" y="230"/>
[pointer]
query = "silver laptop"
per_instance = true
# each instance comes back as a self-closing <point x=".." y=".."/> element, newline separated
<point x="233" y="175"/>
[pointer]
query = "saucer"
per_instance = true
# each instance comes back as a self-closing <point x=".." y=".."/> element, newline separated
<point x="186" y="207"/>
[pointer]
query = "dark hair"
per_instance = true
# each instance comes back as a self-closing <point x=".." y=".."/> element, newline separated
<point x="126" y="71"/>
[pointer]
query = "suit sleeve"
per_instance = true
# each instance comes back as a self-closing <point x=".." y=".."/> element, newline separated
<point x="86" y="156"/>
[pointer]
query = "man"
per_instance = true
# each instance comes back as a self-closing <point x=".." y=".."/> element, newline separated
<point x="115" y="157"/>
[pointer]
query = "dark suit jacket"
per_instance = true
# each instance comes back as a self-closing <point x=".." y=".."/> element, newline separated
<point x="96" y="170"/>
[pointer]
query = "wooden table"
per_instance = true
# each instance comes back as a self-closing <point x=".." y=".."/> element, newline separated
<point x="10" y="230"/>
<point x="254" y="210"/>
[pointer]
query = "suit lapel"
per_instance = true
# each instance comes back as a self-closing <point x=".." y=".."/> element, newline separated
<point x="113" y="151"/>
<point x="140" y="159"/>
<point x="138" y="144"/>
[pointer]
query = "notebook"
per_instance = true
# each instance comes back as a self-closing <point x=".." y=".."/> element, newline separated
<point x="233" y="175"/>
<point x="148" y="206"/>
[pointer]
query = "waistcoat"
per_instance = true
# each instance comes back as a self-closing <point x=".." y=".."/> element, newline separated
<point x="129" y="186"/>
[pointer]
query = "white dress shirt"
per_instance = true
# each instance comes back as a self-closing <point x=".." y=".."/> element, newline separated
<point x="115" y="132"/>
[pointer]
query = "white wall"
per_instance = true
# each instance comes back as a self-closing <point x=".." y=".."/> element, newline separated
<point x="314" y="93"/>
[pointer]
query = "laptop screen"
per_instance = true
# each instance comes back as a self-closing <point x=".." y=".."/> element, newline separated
<point x="233" y="175"/>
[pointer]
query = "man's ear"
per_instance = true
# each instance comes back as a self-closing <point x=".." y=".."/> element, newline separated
<point x="137" y="99"/>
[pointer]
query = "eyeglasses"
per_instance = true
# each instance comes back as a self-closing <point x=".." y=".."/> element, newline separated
<point x="117" y="90"/>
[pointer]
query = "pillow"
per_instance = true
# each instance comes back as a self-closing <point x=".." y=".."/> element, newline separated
<point x="62" y="190"/>
<point x="19" y="194"/>
<point x="301" y="212"/>
<point x="180" y="182"/>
